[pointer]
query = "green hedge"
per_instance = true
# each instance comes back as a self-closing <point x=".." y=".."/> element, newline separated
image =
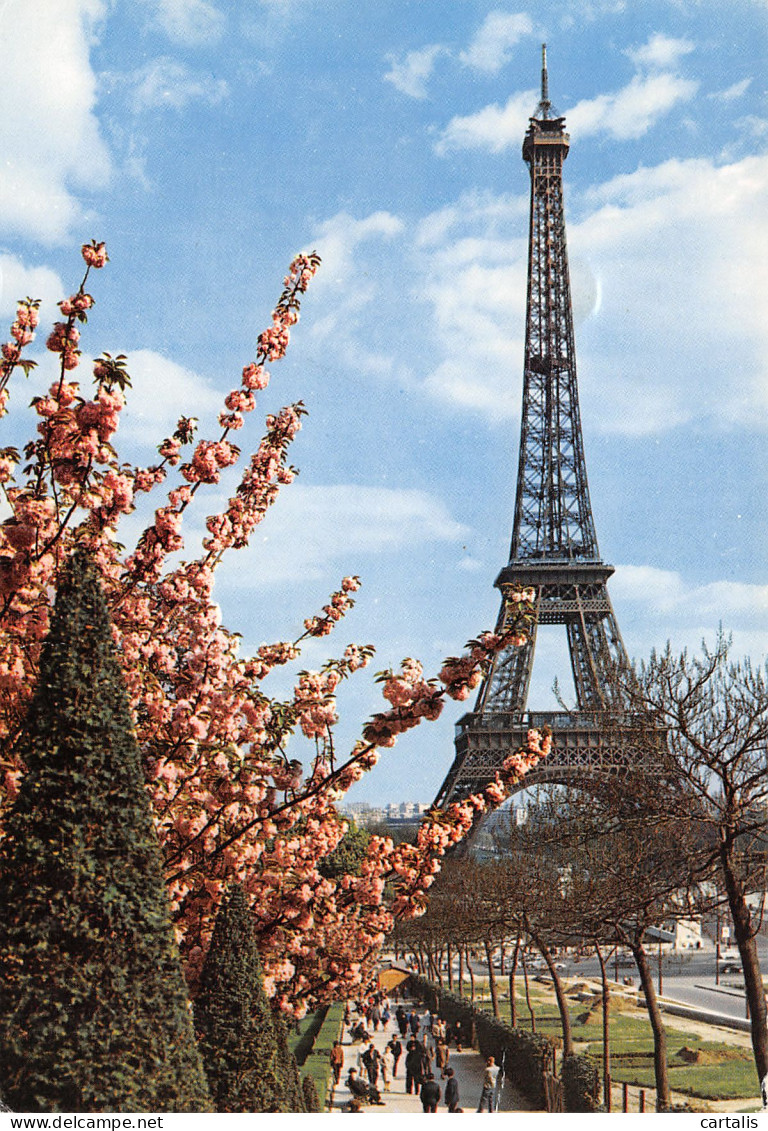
<point x="581" y="1084"/>
<point x="317" y="1063"/>
<point x="525" y="1055"/>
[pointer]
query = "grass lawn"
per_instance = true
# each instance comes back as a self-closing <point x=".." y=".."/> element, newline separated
<point x="708" y="1070"/>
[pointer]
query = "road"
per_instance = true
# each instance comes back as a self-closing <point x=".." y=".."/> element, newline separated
<point x="687" y="976"/>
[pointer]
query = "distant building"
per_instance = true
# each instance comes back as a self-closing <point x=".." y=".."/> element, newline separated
<point x="394" y="813"/>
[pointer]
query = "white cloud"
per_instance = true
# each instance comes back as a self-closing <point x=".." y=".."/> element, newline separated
<point x="166" y="82"/>
<point x="472" y="265"/>
<point x="660" y="605"/>
<point x="654" y="606"/>
<point x="161" y="391"/>
<point x="624" y="114"/>
<point x="681" y="334"/>
<point x="339" y="237"/>
<point x="660" y="51"/>
<point x="732" y="93"/>
<point x="191" y="23"/>
<point x="349" y="289"/>
<point x="633" y="110"/>
<point x="320" y="527"/>
<point x="494" y="128"/>
<point x="667" y="271"/>
<point x="18" y="281"/>
<point x="411" y="74"/>
<point x="49" y="134"/>
<point x="490" y="48"/>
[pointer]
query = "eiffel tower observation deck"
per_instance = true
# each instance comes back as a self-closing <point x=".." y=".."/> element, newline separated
<point x="554" y="545"/>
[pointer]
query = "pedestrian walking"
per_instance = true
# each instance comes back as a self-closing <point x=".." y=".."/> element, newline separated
<point x="413" y="1067"/>
<point x="396" y="1050"/>
<point x="402" y="1020"/>
<point x="413" y="1022"/>
<point x="451" y="1091"/>
<point x="385" y="1063"/>
<point x="337" y="1061"/>
<point x="430" y="1093"/>
<point x="371" y="1060"/>
<point x="489" y="1086"/>
<point x="441" y="1057"/>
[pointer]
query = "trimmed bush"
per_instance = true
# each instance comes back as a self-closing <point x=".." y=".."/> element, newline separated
<point x="309" y="1090"/>
<point x="249" y="1066"/>
<point x="581" y="1084"/>
<point x="94" y="1012"/>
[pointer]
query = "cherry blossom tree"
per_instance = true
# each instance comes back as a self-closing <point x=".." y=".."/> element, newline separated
<point x="232" y="803"/>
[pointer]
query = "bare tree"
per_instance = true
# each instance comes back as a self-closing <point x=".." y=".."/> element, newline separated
<point x="714" y="714"/>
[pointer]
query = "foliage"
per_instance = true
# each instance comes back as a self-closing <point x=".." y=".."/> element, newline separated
<point x="235" y="1028"/>
<point x="232" y="800"/>
<point x="348" y="856"/>
<point x="309" y="1092"/>
<point x="93" y="1006"/>
<point x="581" y="1084"/>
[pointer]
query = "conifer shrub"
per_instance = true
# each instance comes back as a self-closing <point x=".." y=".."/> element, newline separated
<point x="243" y="1045"/>
<point x="581" y="1084"/>
<point x="94" y="1012"/>
<point x="309" y="1090"/>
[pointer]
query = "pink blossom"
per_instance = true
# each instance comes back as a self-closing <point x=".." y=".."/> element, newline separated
<point x="95" y="254"/>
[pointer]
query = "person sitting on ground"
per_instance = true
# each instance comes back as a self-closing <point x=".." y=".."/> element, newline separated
<point x="362" y="1091"/>
<point x="358" y="1032"/>
<point x="430" y="1093"/>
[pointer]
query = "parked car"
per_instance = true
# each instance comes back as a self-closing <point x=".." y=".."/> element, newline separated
<point x="728" y="966"/>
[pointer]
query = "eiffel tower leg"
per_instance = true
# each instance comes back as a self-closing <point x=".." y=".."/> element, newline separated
<point x="581" y="641"/>
<point x="505" y="688"/>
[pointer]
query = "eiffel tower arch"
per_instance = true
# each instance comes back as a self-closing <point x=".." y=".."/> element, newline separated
<point x="554" y="545"/>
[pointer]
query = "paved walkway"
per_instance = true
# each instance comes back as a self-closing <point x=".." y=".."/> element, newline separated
<point x="468" y="1065"/>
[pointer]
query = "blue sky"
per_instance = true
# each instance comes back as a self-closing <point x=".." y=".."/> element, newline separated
<point x="206" y="142"/>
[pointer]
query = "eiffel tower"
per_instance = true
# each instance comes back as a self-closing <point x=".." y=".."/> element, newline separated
<point x="554" y="545"/>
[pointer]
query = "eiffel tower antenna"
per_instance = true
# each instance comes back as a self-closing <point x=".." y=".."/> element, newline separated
<point x="554" y="545"/>
<point x="544" y="105"/>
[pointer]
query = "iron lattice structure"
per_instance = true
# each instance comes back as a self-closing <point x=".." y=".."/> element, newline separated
<point x="554" y="546"/>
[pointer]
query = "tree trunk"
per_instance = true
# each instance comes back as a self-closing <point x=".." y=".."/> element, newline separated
<point x="471" y="973"/>
<point x="659" y="1036"/>
<point x="606" y="1030"/>
<point x="512" y="989"/>
<point x="461" y="972"/>
<point x="750" y="965"/>
<point x="528" y="996"/>
<point x="449" y="952"/>
<point x="492" y="980"/>
<point x="562" y="1004"/>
